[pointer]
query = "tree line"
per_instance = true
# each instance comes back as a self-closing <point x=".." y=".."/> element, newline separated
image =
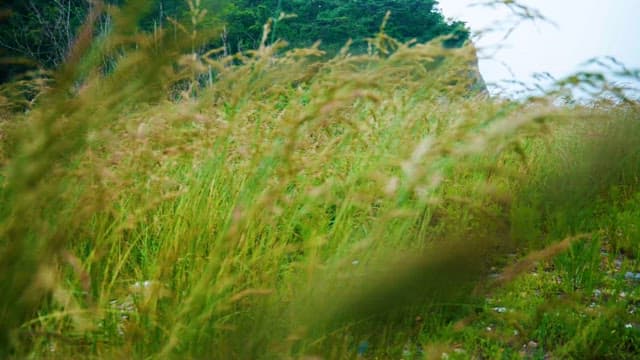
<point x="39" y="33"/>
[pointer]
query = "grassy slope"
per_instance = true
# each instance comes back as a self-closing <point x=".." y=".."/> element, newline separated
<point x="368" y="204"/>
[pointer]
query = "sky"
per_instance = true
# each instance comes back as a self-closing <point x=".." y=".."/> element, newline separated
<point x="581" y="30"/>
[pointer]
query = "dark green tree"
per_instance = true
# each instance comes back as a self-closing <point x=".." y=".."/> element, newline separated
<point x="43" y="31"/>
<point x="334" y="22"/>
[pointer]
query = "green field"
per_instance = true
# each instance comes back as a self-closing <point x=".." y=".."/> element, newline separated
<point x="281" y="204"/>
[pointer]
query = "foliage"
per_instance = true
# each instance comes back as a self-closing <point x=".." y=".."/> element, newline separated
<point x="335" y="22"/>
<point x="364" y="205"/>
<point x="43" y="31"/>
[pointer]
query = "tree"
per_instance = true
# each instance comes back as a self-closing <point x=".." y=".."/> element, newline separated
<point x="43" y="31"/>
<point x="335" y="21"/>
<point x="40" y="33"/>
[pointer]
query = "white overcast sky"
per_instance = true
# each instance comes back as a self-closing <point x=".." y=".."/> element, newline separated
<point x="584" y="29"/>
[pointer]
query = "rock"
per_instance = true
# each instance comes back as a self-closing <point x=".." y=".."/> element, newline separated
<point x="500" y="309"/>
<point x="363" y="347"/>
<point x="632" y="276"/>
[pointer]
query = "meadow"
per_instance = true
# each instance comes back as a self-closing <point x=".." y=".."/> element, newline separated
<point x="279" y="203"/>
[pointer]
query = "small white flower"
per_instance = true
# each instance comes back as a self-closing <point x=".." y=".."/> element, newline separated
<point x="628" y="326"/>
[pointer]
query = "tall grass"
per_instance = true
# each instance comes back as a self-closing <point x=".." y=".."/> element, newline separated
<point x="282" y="206"/>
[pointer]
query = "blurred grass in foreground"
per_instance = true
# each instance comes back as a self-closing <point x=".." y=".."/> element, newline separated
<point x="288" y="207"/>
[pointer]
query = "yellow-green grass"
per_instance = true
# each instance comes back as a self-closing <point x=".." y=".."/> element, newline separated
<point x="269" y="206"/>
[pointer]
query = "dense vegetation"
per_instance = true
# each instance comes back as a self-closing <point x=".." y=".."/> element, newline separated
<point x="366" y="205"/>
<point x="334" y="22"/>
<point x="40" y="33"/>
